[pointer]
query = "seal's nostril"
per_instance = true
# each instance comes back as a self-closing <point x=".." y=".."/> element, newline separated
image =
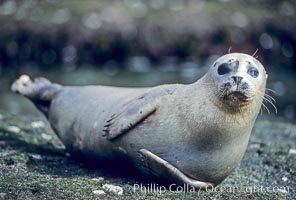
<point x="244" y="86"/>
<point x="227" y="85"/>
<point x="237" y="79"/>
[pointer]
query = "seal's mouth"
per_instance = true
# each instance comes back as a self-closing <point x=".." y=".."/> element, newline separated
<point x="239" y="97"/>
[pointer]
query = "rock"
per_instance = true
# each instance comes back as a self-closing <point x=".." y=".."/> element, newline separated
<point x="113" y="189"/>
<point x="2" y="143"/>
<point x="285" y="179"/>
<point x="9" y="161"/>
<point x="1" y="117"/>
<point x="35" y="156"/>
<point x="254" y="146"/>
<point x="254" y="180"/>
<point x="284" y="191"/>
<point x="38" y="124"/>
<point x="13" y="129"/>
<point x="2" y="195"/>
<point x="68" y="154"/>
<point x="46" y="136"/>
<point x="100" y="179"/>
<point x="292" y="151"/>
<point x="99" y="192"/>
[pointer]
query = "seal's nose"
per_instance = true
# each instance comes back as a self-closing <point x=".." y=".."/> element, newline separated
<point x="237" y="79"/>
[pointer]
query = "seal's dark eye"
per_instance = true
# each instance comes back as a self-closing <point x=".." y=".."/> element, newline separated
<point x="223" y="69"/>
<point x="253" y="72"/>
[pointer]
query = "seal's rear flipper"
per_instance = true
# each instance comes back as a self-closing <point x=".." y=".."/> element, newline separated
<point x="162" y="168"/>
<point x="40" y="91"/>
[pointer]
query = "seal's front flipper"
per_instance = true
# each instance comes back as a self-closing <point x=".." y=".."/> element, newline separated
<point x="135" y="112"/>
<point x="40" y="91"/>
<point x="161" y="168"/>
<point x="132" y="114"/>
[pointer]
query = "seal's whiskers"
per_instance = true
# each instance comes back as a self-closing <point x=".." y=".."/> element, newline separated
<point x="268" y="99"/>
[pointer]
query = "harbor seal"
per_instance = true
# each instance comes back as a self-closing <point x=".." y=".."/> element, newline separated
<point x="193" y="134"/>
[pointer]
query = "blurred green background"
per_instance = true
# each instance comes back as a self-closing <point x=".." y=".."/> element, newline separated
<point x="143" y="43"/>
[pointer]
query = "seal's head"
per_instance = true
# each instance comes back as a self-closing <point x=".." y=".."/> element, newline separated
<point x="239" y="80"/>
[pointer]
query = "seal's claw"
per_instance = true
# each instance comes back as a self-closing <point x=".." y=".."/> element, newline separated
<point x="107" y="126"/>
<point x="105" y="131"/>
<point x="112" y="132"/>
<point x="110" y="120"/>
